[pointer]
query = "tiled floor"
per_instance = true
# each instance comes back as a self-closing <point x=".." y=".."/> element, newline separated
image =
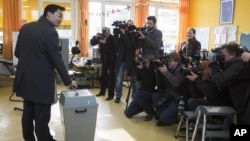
<point x="111" y="123"/>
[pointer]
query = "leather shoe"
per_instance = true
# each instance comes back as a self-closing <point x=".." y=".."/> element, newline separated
<point x="160" y="124"/>
<point x="117" y="100"/>
<point x="148" y="117"/>
<point x="109" y="98"/>
<point x="100" y="94"/>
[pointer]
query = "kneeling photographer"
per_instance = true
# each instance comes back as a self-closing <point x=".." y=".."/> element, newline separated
<point x="170" y="79"/>
<point x="142" y="99"/>
<point x="233" y="78"/>
<point x="211" y="94"/>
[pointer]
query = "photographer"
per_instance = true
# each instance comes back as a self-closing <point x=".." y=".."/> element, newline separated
<point x="126" y="44"/>
<point x="151" y="40"/>
<point x="234" y="78"/>
<point x="166" y="101"/>
<point x="142" y="99"/>
<point x="211" y="94"/>
<point x="107" y="51"/>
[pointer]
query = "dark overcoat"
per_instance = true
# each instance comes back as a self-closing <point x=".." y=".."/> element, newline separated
<point x="38" y="54"/>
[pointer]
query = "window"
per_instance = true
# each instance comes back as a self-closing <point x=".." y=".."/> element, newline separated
<point x="104" y="13"/>
<point x="1" y="21"/>
<point x="29" y="10"/>
<point x="167" y="21"/>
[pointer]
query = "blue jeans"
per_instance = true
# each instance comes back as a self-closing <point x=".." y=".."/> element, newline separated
<point x="144" y="100"/>
<point x="119" y="81"/>
<point x="133" y="109"/>
<point x="166" y="114"/>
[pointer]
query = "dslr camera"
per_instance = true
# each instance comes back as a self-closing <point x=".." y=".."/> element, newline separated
<point x="218" y="56"/>
<point x="101" y="36"/>
<point x="140" y="60"/>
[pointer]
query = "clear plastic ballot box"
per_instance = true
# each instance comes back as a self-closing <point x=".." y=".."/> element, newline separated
<point x="78" y="114"/>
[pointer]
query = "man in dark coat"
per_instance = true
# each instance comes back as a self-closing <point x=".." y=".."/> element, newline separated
<point x="106" y="46"/>
<point x="38" y="54"/>
<point x="235" y="77"/>
<point x="151" y="40"/>
<point x="125" y="59"/>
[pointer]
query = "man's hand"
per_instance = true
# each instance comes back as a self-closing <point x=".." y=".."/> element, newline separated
<point x="73" y="84"/>
<point x="163" y="69"/>
<point x="103" y="41"/>
<point x="192" y="77"/>
<point x="245" y="56"/>
<point x="142" y="36"/>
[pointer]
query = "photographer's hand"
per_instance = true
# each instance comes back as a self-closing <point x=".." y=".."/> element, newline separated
<point x="208" y="61"/>
<point x="163" y="69"/>
<point x="142" y="36"/>
<point x="192" y="77"/>
<point x="122" y="30"/>
<point x="245" y="56"/>
<point x="161" y="102"/>
<point x="139" y="66"/>
<point x="103" y="41"/>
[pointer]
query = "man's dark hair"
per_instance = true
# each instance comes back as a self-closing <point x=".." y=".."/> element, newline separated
<point x="193" y="30"/>
<point x="52" y="8"/>
<point x="233" y="48"/>
<point x="153" y="18"/>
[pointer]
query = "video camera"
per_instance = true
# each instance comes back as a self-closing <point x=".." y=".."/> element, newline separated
<point x="134" y="29"/>
<point x="119" y="25"/>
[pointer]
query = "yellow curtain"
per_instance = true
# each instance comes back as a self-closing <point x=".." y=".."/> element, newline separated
<point x="11" y="18"/>
<point x="84" y="32"/>
<point x="183" y="21"/>
<point x="141" y="12"/>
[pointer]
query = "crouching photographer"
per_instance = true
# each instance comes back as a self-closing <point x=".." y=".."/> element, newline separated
<point x="169" y="80"/>
<point x="211" y="94"/>
<point x="233" y="78"/>
<point x="142" y="99"/>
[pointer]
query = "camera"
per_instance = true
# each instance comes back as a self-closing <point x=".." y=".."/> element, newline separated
<point x="134" y="29"/>
<point x="75" y="49"/>
<point x="218" y="56"/>
<point x="101" y="36"/>
<point x="119" y="25"/>
<point x="140" y="60"/>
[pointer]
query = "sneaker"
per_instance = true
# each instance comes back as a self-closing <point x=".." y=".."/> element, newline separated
<point x="148" y="117"/>
<point x="117" y="100"/>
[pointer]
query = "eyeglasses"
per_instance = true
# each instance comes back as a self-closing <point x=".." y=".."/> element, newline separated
<point x="59" y="15"/>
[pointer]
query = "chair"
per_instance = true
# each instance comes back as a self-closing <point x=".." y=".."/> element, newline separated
<point x="185" y="119"/>
<point x="208" y="112"/>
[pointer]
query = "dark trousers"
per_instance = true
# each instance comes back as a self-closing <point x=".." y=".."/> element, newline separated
<point x="108" y="79"/>
<point x="38" y="114"/>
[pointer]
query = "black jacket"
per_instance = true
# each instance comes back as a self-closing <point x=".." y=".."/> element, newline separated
<point x="126" y="45"/>
<point x="38" y="54"/>
<point x="234" y="80"/>
<point x="107" y="51"/>
<point x="191" y="48"/>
